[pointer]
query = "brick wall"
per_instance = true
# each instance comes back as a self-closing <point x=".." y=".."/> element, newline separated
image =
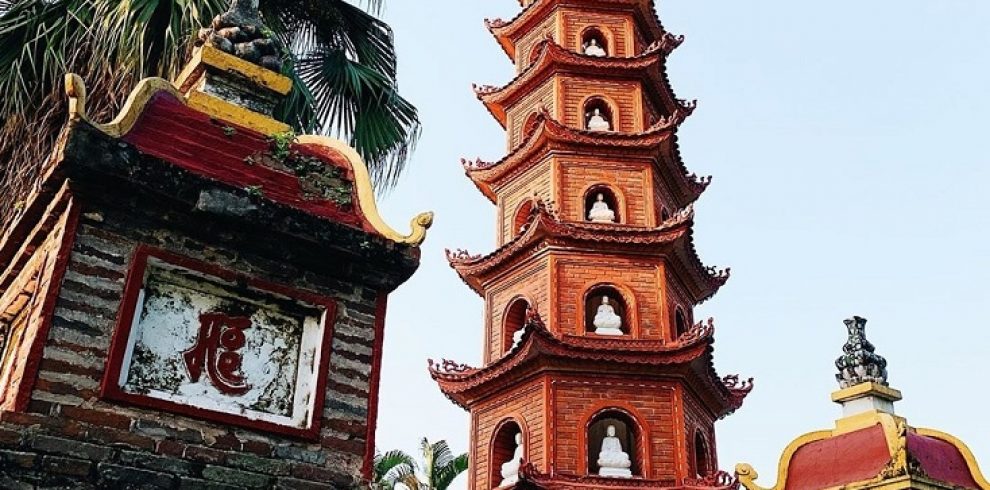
<point x="69" y="436"/>
<point x="529" y="280"/>
<point x="537" y="181"/>
<point x="617" y="29"/>
<point x="637" y="280"/>
<point x="518" y="113"/>
<point x="526" y="405"/>
<point x="624" y="98"/>
<point x="629" y="180"/>
<point x="527" y="44"/>
<point x="574" y="402"/>
<point x="697" y="419"/>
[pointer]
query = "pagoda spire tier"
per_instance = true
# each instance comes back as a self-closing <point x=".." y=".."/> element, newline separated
<point x="552" y="59"/>
<point x="509" y="32"/>
<point x="689" y="356"/>
<point x="545" y="231"/>
<point x="656" y="145"/>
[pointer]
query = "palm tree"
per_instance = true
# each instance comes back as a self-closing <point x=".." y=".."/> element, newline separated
<point x="340" y="56"/>
<point x="392" y="468"/>
<point x="440" y="466"/>
<point x="437" y="470"/>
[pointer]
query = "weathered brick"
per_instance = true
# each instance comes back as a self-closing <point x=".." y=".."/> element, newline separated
<point x="258" y="447"/>
<point x="117" y="476"/>
<point x="66" y="466"/>
<point x="321" y="474"/>
<point x="297" y="484"/>
<point x="69" y="447"/>
<point x="18" y="458"/>
<point x="170" y="447"/>
<point x="120" y="438"/>
<point x="298" y="454"/>
<point x="97" y="417"/>
<point x="205" y="454"/>
<point x="260" y="465"/>
<point x="9" y="437"/>
<point x="157" y="463"/>
<point x="187" y="483"/>
<point x="243" y="479"/>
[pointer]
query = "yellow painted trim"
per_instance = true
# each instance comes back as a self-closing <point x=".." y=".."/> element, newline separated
<point x="75" y="88"/>
<point x="209" y="56"/>
<point x="974" y="467"/>
<point x="366" y="194"/>
<point x="221" y="109"/>
<point x="863" y="389"/>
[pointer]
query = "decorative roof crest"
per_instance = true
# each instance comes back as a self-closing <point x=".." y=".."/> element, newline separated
<point x="240" y="31"/>
<point x="668" y="43"/>
<point x="460" y="255"/>
<point x="495" y="23"/>
<point x="484" y="89"/>
<point x="859" y="362"/>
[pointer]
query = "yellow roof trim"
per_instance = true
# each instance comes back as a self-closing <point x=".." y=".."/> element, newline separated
<point x="207" y="55"/>
<point x="136" y="102"/>
<point x="366" y="194"/>
<point x="75" y="88"/>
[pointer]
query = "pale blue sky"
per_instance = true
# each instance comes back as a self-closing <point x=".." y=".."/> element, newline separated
<point x="847" y="144"/>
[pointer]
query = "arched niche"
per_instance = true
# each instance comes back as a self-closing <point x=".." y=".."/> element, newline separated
<point x="680" y="322"/>
<point x="503" y="447"/>
<point x="594" y="36"/>
<point x="513" y="321"/>
<point x="626" y="430"/>
<point x="702" y="455"/>
<point x="664" y="214"/>
<point x="593" y="300"/>
<point x="521" y="218"/>
<point x="608" y="197"/>
<point x="598" y="106"/>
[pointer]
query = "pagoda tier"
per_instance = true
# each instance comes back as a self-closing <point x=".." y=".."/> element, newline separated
<point x="532" y="21"/>
<point x="553" y="59"/>
<point x="532" y="478"/>
<point x="545" y="136"/>
<point x="544" y="231"/>
<point x="539" y="351"/>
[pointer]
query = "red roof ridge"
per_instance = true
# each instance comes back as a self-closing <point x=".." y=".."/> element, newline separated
<point x="552" y="53"/>
<point x="499" y="27"/>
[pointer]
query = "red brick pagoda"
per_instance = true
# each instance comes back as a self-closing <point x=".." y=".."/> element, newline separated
<point x="595" y="373"/>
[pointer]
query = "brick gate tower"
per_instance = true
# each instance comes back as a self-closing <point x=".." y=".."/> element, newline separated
<point x="595" y="374"/>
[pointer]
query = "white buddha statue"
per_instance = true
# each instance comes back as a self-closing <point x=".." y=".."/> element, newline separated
<point x="606" y="322"/>
<point x="600" y="212"/>
<point x="593" y="49"/>
<point x="612" y="460"/>
<point x="510" y="469"/>
<point x="597" y="122"/>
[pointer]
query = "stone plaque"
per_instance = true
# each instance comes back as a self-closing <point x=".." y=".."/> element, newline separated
<point x="212" y="344"/>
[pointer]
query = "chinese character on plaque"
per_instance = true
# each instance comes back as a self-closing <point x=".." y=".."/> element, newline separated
<point x="210" y="343"/>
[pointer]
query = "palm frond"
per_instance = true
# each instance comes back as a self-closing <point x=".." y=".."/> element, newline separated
<point x="449" y="472"/>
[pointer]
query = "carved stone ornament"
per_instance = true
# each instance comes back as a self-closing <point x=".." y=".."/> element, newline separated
<point x="859" y="363"/>
<point x="240" y="32"/>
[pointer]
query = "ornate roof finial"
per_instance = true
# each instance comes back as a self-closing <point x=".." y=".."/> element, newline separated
<point x="241" y="32"/>
<point x="859" y="363"/>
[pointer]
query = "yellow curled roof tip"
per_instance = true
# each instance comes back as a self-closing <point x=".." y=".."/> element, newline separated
<point x="366" y="194"/>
